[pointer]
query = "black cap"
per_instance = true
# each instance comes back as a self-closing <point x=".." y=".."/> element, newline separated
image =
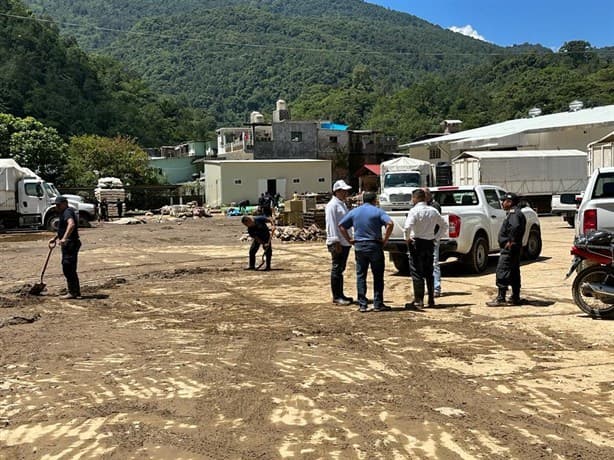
<point x="60" y="199"/>
<point x="512" y="197"/>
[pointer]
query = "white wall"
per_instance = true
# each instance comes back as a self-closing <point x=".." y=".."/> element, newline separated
<point x="246" y="180"/>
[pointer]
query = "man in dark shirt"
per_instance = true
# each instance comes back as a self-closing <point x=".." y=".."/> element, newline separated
<point x="68" y="236"/>
<point x="510" y="242"/>
<point x="258" y="229"/>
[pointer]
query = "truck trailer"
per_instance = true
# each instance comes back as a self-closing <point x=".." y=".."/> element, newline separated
<point x="536" y="175"/>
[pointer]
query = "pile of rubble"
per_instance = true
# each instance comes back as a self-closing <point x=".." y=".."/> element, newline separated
<point x="291" y="233"/>
<point x="190" y="209"/>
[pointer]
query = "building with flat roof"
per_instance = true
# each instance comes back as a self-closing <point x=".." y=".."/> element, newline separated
<point x="566" y="130"/>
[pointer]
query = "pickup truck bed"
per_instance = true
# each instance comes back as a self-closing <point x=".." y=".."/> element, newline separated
<point x="475" y="216"/>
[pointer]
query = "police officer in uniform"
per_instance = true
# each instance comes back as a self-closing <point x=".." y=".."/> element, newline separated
<point x="510" y="242"/>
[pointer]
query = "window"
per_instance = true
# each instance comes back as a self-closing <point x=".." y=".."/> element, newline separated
<point x="321" y="179"/>
<point x="296" y="180"/>
<point x="33" y="190"/>
<point x="238" y="182"/>
<point x="455" y="197"/>
<point x="296" y="136"/>
<point x="332" y="139"/>
<point x="492" y="198"/>
<point x="434" y="152"/>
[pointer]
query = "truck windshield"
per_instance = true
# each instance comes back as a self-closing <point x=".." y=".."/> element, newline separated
<point x="50" y="189"/>
<point x="405" y="179"/>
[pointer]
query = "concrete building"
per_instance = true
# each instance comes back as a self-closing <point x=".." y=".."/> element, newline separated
<point x="177" y="163"/>
<point x="231" y="181"/>
<point x="284" y="138"/>
<point x="566" y="130"/>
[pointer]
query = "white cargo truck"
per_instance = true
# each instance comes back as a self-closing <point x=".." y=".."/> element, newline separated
<point x="26" y="200"/>
<point x="399" y="178"/>
<point x="536" y="175"/>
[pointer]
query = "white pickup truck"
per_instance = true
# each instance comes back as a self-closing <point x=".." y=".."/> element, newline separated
<point x="475" y="215"/>
<point x="596" y="211"/>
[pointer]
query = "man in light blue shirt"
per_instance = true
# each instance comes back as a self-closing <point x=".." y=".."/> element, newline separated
<point x="367" y="221"/>
<point x="337" y="244"/>
<point x="423" y="226"/>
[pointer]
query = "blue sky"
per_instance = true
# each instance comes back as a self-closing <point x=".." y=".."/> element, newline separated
<point x="547" y="22"/>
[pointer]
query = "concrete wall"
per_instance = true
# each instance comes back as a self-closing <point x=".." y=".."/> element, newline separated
<point x="234" y="181"/>
<point x="285" y="145"/>
<point x="175" y="170"/>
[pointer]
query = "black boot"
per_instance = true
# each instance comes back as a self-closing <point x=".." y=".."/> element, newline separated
<point x="500" y="300"/>
<point x="515" y="299"/>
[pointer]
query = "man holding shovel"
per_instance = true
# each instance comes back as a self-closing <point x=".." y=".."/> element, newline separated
<point x="68" y="238"/>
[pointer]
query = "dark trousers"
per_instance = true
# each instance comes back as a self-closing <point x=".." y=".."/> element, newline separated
<point x="339" y="262"/>
<point x="421" y="267"/>
<point x="370" y="254"/>
<point x="508" y="271"/>
<point x="268" y="253"/>
<point x="70" y="254"/>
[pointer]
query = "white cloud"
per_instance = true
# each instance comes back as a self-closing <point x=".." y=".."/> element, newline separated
<point x="469" y="31"/>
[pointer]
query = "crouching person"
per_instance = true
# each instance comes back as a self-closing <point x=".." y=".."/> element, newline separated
<point x="261" y="235"/>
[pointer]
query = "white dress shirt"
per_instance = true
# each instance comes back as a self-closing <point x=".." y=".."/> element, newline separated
<point x="421" y="222"/>
<point x="335" y="210"/>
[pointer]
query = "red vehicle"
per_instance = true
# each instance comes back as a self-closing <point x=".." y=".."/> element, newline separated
<point x="593" y="287"/>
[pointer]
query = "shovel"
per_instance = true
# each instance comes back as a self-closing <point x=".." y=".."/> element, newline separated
<point x="38" y="288"/>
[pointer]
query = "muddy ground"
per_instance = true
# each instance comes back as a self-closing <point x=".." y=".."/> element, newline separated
<point x="176" y="352"/>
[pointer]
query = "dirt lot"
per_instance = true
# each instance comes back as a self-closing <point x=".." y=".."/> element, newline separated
<point x="176" y="352"/>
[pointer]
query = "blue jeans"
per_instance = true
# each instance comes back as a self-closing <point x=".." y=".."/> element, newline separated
<point x="370" y="253"/>
<point x="436" y="269"/>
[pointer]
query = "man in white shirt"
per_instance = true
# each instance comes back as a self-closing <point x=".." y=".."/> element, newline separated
<point x="423" y="226"/>
<point x="338" y="246"/>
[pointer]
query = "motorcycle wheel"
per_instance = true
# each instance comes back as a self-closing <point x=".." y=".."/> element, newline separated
<point x="591" y="305"/>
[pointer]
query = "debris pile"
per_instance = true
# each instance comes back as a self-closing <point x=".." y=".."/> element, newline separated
<point x="190" y="209"/>
<point x="291" y="233"/>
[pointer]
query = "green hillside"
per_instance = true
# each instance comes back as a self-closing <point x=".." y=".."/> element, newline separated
<point x="348" y="61"/>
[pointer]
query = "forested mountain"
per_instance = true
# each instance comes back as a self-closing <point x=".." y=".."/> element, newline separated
<point x="347" y="61"/>
<point x="235" y="56"/>
<point x="49" y="77"/>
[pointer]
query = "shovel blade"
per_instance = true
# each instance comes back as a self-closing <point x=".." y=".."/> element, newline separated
<point x="37" y="289"/>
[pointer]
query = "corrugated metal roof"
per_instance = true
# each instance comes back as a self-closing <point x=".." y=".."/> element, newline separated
<point x="257" y="162"/>
<point x="593" y="116"/>
<point x="521" y="154"/>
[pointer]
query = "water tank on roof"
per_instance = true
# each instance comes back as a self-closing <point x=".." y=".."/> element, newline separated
<point x="535" y="112"/>
<point x="256" y="117"/>
<point x="281" y="105"/>
<point x="576" y="105"/>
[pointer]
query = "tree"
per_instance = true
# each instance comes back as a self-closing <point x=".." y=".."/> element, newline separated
<point x="91" y="157"/>
<point x="33" y="145"/>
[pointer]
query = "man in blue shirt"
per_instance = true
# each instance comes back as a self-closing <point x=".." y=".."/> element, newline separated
<point x="367" y="221"/>
<point x="258" y="229"/>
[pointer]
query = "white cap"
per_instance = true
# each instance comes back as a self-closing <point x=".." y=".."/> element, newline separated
<point x="341" y="185"/>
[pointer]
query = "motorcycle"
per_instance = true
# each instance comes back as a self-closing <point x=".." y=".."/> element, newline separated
<point x="593" y="287"/>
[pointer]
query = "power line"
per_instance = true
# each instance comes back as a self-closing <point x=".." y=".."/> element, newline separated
<point x="261" y="46"/>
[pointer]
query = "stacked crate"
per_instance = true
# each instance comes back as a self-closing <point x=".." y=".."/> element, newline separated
<point x="111" y="188"/>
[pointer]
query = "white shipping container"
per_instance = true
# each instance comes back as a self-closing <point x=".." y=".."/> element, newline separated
<point x="10" y="174"/>
<point x="526" y="172"/>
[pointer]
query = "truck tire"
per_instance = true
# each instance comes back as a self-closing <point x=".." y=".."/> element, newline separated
<point x="400" y="261"/>
<point x="533" y="248"/>
<point x="83" y="220"/>
<point x="52" y="224"/>
<point x="477" y="259"/>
